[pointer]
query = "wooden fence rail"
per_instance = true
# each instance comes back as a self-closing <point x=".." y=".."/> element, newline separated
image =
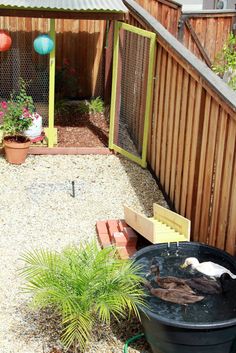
<point x="202" y="32"/>
<point x="192" y="137"/>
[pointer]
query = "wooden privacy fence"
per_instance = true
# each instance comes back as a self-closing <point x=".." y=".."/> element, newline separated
<point x="202" y="32"/>
<point x="192" y="137"/>
<point x="167" y="12"/>
<point x="79" y="48"/>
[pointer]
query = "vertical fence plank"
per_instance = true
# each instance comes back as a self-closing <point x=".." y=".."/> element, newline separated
<point x="160" y="111"/>
<point x="182" y="127"/>
<point x="200" y="181"/>
<point x="165" y="119"/>
<point x="187" y="145"/>
<point x="227" y="179"/>
<point x="219" y="160"/>
<point x="155" y="121"/>
<point x="193" y="154"/>
<point x="170" y="127"/>
<point x="230" y="245"/>
<point x="180" y="76"/>
<point x="208" y="172"/>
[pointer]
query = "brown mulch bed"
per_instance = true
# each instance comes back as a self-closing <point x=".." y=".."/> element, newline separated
<point x="82" y="130"/>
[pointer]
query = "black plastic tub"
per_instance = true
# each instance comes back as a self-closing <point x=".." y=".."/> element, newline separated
<point x="205" y="327"/>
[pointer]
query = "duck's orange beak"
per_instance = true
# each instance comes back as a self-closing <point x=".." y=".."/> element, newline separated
<point x="183" y="265"/>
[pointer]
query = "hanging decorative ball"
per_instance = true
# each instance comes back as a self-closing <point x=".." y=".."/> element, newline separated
<point x="5" y="41"/>
<point x="43" y="44"/>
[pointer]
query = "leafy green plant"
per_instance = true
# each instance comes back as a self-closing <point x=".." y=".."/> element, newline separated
<point x="96" y="105"/>
<point x="61" y="107"/>
<point x="83" y="284"/>
<point x="93" y="106"/>
<point x="82" y="107"/>
<point x="225" y="61"/>
<point x="16" y="113"/>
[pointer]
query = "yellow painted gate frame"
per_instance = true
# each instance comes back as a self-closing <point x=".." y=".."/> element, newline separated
<point x="51" y="131"/>
<point x="152" y="50"/>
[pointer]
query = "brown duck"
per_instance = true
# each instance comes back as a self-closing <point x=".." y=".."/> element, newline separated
<point x="205" y="285"/>
<point x="177" y="296"/>
<point x="171" y="282"/>
<point x="201" y="284"/>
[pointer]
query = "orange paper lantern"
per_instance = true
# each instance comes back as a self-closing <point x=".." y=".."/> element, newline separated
<point x="5" y="41"/>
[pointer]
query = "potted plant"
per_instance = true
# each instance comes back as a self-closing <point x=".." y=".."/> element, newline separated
<point x="17" y="117"/>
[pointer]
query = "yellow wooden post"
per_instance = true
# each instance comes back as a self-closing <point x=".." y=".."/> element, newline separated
<point x="51" y="132"/>
<point x="114" y="84"/>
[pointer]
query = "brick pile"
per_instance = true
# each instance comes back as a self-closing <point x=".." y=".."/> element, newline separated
<point x="117" y="233"/>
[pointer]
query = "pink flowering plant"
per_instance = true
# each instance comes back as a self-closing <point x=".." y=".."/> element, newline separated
<point x="17" y="113"/>
<point x="66" y="80"/>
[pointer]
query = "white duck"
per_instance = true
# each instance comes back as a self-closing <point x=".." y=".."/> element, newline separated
<point x="208" y="268"/>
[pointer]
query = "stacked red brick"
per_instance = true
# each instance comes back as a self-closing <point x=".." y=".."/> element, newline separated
<point x="117" y="233"/>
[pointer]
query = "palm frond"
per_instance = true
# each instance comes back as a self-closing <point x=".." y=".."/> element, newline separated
<point x="77" y="329"/>
<point x="83" y="283"/>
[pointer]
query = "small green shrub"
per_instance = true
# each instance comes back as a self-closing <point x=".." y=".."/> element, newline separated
<point x="61" y="107"/>
<point x="83" y="284"/>
<point x="225" y="61"/>
<point x="82" y="107"/>
<point x="96" y="105"/>
<point x="93" y="106"/>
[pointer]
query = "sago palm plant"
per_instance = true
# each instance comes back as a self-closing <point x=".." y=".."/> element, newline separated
<point x="83" y="284"/>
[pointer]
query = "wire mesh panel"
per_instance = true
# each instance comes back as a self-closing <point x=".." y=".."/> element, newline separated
<point x="21" y="61"/>
<point x="133" y="66"/>
<point x="132" y="82"/>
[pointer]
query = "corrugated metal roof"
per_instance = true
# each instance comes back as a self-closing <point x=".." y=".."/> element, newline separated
<point x="73" y="5"/>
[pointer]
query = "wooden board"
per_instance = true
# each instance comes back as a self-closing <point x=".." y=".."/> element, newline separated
<point x="175" y="221"/>
<point x="164" y="227"/>
<point x="142" y="224"/>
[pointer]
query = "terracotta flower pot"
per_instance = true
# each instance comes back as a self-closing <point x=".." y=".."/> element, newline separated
<point x="16" y="150"/>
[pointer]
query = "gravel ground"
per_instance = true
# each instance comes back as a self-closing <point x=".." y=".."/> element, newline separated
<point x="37" y="210"/>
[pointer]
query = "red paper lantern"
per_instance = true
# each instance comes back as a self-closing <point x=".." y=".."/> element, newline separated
<point x="5" y="41"/>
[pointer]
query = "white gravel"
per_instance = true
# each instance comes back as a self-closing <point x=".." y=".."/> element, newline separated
<point x="37" y="210"/>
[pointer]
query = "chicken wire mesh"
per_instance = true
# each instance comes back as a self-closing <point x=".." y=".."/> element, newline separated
<point x="21" y="61"/>
<point x="131" y="91"/>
